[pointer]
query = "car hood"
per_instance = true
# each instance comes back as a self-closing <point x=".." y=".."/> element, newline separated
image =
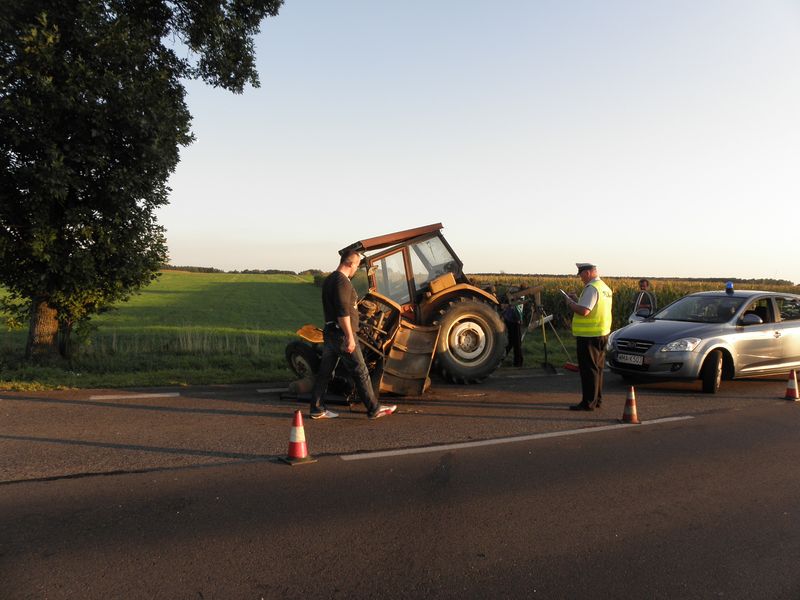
<point x="662" y="332"/>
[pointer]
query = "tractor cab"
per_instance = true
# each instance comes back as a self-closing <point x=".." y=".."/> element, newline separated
<point x="410" y="267"/>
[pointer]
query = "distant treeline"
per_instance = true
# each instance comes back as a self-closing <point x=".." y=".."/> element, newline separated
<point x="190" y="269"/>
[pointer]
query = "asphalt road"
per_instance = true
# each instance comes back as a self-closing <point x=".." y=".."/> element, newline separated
<point x="181" y="496"/>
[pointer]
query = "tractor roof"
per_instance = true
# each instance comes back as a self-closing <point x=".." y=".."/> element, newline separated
<point x="390" y="239"/>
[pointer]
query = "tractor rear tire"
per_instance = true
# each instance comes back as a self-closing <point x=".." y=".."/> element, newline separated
<point x="472" y="341"/>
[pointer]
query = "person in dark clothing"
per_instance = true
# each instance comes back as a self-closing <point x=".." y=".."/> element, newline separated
<point x="512" y="316"/>
<point x="340" y="306"/>
<point x="646" y="298"/>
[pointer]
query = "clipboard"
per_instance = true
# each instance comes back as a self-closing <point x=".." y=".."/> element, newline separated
<point x="565" y="294"/>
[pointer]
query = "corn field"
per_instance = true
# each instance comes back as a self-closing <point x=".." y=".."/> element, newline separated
<point x="625" y="291"/>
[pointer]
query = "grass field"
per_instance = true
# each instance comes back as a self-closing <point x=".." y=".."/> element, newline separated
<point x="203" y="328"/>
<point x="186" y="328"/>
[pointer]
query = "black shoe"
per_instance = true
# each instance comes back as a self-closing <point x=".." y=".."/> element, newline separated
<point x="581" y="406"/>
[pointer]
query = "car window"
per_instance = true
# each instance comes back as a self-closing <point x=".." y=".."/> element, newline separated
<point x="761" y="307"/>
<point x="788" y="308"/>
<point x="701" y="309"/>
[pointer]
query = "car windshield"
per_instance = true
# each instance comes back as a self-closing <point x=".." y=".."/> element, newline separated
<point x="701" y="309"/>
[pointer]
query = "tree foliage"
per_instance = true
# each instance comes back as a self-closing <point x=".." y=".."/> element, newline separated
<point x="92" y="116"/>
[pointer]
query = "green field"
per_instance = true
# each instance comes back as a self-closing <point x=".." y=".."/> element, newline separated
<point x="186" y="328"/>
<point x="203" y="328"/>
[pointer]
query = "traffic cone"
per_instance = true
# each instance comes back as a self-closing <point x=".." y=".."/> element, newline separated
<point x="298" y="449"/>
<point x="791" y="387"/>
<point x="629" y="414"/>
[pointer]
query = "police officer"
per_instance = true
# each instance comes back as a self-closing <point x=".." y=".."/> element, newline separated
<point x="591" y="324"/>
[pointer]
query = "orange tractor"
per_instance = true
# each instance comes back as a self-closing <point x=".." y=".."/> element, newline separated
<point x="420" y="311"/>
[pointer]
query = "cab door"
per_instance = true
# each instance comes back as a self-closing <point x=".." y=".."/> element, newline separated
<point x="388" y="276"/>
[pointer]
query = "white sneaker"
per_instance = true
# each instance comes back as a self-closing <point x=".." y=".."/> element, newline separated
<point x="382" y="411"/>
<point x="326" y="414"/>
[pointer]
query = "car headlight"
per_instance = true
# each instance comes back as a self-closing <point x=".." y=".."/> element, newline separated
<point x="681" y="345"/>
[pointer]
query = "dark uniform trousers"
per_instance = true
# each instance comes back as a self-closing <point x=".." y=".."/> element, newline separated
<point x="514" y="331"/>
<point x="334" y="350"/>
<point x="591" y="360"/>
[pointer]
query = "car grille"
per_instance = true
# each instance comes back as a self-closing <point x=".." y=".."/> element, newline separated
<point x="635" y="346"/>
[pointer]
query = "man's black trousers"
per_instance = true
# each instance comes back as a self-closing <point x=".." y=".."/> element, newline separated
<point x="591" y="360"/>
<point x="334" y="350"/>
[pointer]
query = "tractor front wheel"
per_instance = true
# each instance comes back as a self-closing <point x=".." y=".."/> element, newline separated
<point x="303" y="359"/>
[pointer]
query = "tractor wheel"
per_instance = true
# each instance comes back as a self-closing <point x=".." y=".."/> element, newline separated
<point x="303" y="359"/>
<point x="472" y="341"/>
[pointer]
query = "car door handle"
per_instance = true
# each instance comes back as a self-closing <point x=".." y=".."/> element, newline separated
<point x="777" y="334"/>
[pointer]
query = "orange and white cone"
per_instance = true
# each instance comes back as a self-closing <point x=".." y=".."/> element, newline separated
<point x="629" y="414"/>
<point x="298" y="449"/>
<point x="791" y="387"/>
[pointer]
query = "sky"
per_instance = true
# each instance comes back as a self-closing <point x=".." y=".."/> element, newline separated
<point x="651" y="138"/>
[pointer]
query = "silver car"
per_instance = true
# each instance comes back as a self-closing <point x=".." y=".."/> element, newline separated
<point x="711" y="336"/>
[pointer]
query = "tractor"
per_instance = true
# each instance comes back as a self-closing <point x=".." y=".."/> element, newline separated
<point x="420" y="312"/>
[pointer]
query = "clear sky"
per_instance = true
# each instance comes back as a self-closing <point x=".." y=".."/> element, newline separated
<point x="652" y="138"/>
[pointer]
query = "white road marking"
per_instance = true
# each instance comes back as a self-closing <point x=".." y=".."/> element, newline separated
<point x="509" y="440"/>
<point x="135" y="396"/>
<point x="272" y="390"/>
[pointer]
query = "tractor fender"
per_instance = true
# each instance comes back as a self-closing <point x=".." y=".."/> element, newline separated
<point x="429" y="307"/>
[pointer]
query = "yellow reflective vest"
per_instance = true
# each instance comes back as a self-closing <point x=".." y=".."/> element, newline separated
<point x="598" y="322"/>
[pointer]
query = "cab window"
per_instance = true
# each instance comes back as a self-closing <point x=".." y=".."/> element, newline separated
<point x="430" y="259"/>
<point x="390" y="278"/>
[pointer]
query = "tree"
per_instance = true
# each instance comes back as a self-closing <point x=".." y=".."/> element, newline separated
<point x="92" y="115"/>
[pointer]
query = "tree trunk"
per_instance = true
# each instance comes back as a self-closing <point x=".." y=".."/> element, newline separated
<point x="43" y="330"/>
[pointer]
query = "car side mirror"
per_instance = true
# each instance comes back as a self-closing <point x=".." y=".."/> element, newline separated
<point x="751" y="319"/>
<point x="643" y="312"/>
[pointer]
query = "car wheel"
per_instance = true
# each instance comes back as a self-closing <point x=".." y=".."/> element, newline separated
<point x="711" y="373"/>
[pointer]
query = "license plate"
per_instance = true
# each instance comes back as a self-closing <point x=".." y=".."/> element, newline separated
<point x="630" y="359"/>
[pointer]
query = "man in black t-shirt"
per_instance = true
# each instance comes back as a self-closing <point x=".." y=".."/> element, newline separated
<point x="340" y="306"/>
